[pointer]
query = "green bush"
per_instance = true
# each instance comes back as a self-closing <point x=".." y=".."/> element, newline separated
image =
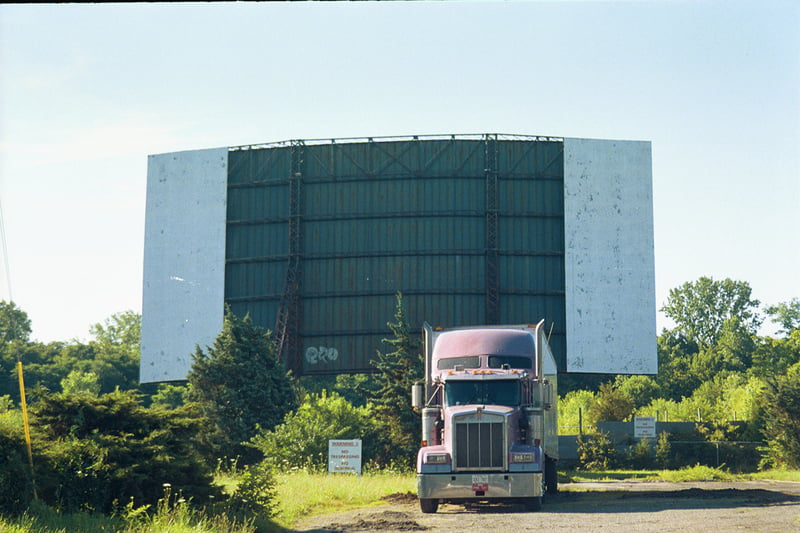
<point x="301" y="441"/>
<point x="256" y="493"/>
<point x="16" y="489"/>
<point x="640" y="456"/>
<point x="663" y="451"/>
<point x="97" y="451"/>
<point x="596" y="452"/>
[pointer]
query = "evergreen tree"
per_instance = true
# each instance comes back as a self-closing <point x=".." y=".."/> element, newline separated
<point x="781" y="405"/>
<point x="239" y="385"/>
<point x="96" y="451"/>
<point x="398" y="370"/>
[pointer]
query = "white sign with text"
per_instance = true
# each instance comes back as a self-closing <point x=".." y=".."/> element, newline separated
<point x="344" y="456"/>
<point x="644" y="427"/>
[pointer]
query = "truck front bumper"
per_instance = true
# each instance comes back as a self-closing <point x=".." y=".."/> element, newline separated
<point x="477" y="486"/>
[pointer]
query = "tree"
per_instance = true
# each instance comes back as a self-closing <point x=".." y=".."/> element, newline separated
<point x="786" y="314"/>
<point x="640" y="389"/>
<point x="781" y="405"/>
<point x="78" y="382"/>
<point x="398" y="370"/>
<point x="675" y="354"/>
<point x="701" y="308"/>
<point x="116" y="345"/>
<point x="38" y="367"/>
<point x="774" y="356"/>
<point x="239" y="385"/>
<point x="15" y="331"/>
<point x="169" y="395"/>
<point x="14" y="323"/>
<point x="610" y="405"/>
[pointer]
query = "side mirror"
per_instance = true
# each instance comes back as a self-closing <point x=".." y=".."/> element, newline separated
<point x="418" y="396"/>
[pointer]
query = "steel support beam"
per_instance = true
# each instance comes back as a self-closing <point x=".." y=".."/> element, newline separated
<point x="492" y="241"/>
<point x="289" y="319"/>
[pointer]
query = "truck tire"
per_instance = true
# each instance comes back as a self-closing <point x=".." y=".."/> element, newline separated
<point x="550" y="475"/>
<point x="428" y="505"/>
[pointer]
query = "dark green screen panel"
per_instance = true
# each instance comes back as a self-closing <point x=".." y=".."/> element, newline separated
<point x="451" y="222"/>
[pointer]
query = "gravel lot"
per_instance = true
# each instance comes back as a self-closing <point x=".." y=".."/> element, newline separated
<point x="615" y="506"/>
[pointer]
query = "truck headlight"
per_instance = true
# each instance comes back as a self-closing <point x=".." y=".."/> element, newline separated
<point x="522" y="458"/>
<point x="437" y="459"/>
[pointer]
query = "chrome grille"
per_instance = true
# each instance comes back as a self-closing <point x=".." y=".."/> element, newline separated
<point x="479" y="445"/>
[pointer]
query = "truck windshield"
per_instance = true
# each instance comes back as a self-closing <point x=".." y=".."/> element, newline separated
<point x="482" y="392"/>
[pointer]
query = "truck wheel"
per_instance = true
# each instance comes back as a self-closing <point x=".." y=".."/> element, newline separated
<point x="534" y="504"/>
<point x="428" y="505"/>
<point x="550" y="476"/>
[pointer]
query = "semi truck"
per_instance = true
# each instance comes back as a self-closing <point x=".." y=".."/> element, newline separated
<point x="489" y="421"/>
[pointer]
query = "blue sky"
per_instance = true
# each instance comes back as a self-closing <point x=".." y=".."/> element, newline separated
<point x="88" y="91"/>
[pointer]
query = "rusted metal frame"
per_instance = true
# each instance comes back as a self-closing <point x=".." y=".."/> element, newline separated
<point x="289" y="319"/>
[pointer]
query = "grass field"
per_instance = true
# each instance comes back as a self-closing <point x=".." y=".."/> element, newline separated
<point x="303" y="494"/>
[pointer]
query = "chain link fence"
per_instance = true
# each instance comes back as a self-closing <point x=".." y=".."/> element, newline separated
<point x="684" y="446"/>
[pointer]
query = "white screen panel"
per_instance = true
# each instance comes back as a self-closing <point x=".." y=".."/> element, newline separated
<point x="184" y="259"/>
<point x="609" y="259"/>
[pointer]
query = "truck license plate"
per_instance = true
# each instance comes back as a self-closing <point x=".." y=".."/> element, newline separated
<point x="480" y="482"/>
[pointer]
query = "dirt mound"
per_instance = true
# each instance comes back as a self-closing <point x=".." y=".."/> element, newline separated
<point x="385" y="521"/>
<point x="401" y="497"/>
<point x="757" y="496"/>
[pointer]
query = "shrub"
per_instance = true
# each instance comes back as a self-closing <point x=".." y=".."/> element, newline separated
<point x="572" y="410"/>
<point x="596" y="452"/>
<point x="639" y="455"/>
<point x="256" y="493"/>
<point x="663" y="451"/>
<point x="16" y="489"/>
<point x="96" y="451"/>
<point x="301" y="441"/>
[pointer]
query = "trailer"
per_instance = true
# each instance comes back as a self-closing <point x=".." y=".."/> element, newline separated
<point x="489" y="420"/>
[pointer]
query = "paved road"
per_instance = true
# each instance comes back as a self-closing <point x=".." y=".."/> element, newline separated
<point x="615" y="506"/>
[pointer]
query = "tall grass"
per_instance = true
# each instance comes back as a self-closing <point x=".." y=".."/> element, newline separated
<point x="172" y="515"/>
<point x="776" y="475"/>
<point x="697" y="473"/>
